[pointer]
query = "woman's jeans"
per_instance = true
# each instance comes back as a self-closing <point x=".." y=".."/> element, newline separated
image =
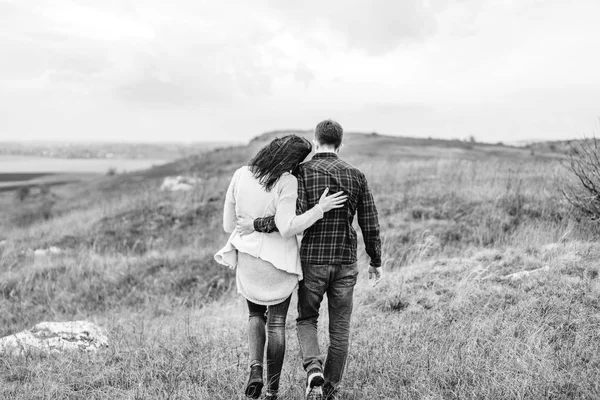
<point x="274" y="317"/>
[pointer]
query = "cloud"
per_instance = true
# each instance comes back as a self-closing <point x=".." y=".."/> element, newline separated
<point x="375" y="26"/>
<point x="304" y="74"/>
<point x="385" y="108"/>
<point x="147" y="52"/>
<point x="415" y="66"/>
<point x="155" y="90"/>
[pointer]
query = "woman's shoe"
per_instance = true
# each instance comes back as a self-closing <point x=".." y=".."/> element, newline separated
<point x="255" y="382"/>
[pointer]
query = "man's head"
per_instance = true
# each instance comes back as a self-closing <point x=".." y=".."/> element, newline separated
<point x="328" y="135"/>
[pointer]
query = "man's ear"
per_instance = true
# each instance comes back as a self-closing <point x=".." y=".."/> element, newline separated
<point x="339" y="148"/>
<point x="315" y="144"/>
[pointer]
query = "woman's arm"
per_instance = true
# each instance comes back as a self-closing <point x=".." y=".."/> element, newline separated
<point x="288" y="223"/>
<point x="287" y="218"/>
<point x="229" y="216"/>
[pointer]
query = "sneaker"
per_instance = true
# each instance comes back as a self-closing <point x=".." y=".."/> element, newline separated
<point x="314" y="383"/>
<point x="255" y="382"/>
<point x="329" y="392"/>
<point x="315" y="393"/>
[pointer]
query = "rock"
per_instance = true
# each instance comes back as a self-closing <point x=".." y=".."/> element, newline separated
<point x="44" y="252"/>
<point x="54" y="250"/>
<point x="179" y="183"/>
<point x="2" y="243"/>
<point x="40" y="252"/>
<point x="524" y="274"/>
<point x="154" y="254"/>
<point x="55" y="337"/>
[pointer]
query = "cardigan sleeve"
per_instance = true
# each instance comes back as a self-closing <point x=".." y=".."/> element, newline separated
<point x="288" y="223"/>
<point x="229" y="215"/>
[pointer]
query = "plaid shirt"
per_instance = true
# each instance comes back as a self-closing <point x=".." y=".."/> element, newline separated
<point x="332" y="240"/>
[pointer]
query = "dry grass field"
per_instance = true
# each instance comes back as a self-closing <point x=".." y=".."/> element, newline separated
<point x="448" y="322"/>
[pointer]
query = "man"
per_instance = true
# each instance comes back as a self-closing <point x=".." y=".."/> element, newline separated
<point x="328" y="255"/>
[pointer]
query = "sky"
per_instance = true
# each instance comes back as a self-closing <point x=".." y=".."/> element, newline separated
<point x="199" y="70"/>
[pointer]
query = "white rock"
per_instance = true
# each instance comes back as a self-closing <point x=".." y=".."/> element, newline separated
<point x="2" y="243"/>
<point x="55" y="250"/>
<point x="44" y="252"/>
<point x="55" y="337"/>
<point x="154" y="254"/>
<point x="40" y="252"/>
<point x="179" y="183"/>
<point x="525" y="274"/>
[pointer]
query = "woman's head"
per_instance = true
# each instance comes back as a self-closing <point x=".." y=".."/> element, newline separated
<point x="281" y="155"/>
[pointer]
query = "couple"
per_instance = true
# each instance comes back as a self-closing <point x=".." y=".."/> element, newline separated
<point x="268" y="203"/>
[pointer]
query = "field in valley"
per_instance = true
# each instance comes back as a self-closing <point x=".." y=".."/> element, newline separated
<point x="448" y="322"/>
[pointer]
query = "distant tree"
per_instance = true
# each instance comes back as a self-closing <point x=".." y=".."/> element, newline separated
<point x="23" y="192"/>
<point x="472" y="139"/>
<point x="552" y="147"/>
<point x="112" y="171"/>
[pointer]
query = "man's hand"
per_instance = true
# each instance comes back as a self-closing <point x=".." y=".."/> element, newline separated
<point x="375" y="276"/>
<point x="245" y="224"/>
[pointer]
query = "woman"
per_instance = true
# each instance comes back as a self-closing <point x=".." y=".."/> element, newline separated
<point x="268" y="265"/>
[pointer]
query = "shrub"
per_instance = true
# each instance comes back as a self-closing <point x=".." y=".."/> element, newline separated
<point x="22" y="193"/>
<point x="46" y="209"/>
<point x="583" y="191"/>
<point x="45" y="189"/>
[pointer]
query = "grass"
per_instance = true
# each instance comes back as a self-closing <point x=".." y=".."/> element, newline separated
<point x="445" y="324"/>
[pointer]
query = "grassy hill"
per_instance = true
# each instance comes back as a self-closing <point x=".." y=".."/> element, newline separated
<point x="457" y="219"/>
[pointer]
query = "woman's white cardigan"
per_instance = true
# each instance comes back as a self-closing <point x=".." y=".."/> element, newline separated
<point x="247" y="196"/>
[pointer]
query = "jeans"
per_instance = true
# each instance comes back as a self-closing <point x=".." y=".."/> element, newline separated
<point x="338" y="282"/>
<point x="274" y="317"/>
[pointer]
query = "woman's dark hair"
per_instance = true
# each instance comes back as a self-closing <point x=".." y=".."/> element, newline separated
<point x="281" y="155"/>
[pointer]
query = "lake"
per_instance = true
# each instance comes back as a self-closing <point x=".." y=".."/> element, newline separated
<point x="28" y="164"/>
<point x="16" y="171"/>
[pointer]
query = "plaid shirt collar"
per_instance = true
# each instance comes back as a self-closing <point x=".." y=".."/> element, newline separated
<point x="324" y="155"/>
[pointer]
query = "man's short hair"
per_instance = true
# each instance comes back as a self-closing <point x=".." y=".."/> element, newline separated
<point x="329" y="133"/>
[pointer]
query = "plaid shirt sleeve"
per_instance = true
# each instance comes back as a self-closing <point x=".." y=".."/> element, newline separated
<point x="265" y="224"/>
<point x="369" y="224"/>
<point x="302" y="202"/>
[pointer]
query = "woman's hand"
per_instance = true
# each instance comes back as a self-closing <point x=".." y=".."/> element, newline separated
<point x="336" y="200"/>
<point x="245" y="224"/>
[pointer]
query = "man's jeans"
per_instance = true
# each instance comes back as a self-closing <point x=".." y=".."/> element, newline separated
<point x="338" y="282"/>
<point x="274" y="317"/>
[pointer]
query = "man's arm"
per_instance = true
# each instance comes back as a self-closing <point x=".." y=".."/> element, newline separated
<point x="369" y="224"/>
<point x="267" y="224"/>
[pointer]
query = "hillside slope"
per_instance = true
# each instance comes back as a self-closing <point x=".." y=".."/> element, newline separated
<point x="448" y="322"/>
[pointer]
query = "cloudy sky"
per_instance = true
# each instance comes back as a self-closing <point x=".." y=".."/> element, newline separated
<point x="231" y="69"/>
